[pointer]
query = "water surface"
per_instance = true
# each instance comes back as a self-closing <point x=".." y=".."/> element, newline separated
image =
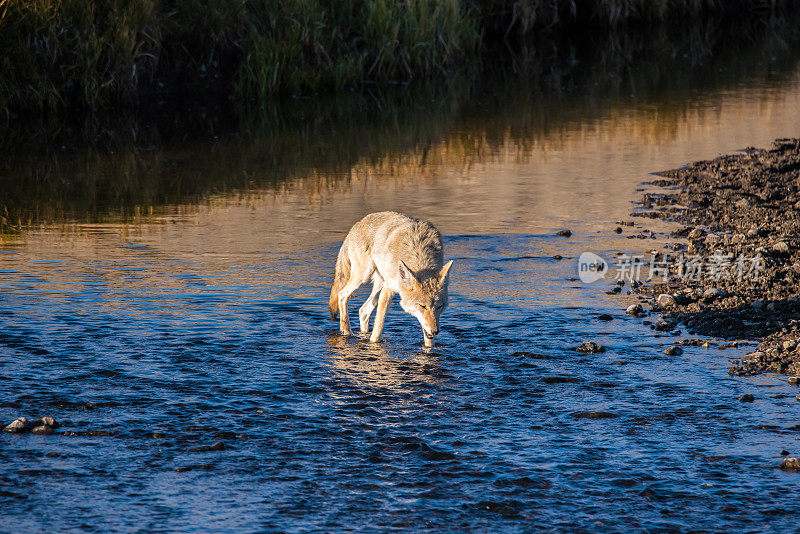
<point x="188" y="319"/>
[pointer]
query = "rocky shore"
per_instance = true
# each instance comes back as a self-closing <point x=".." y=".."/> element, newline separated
<point x="737" y="275"/>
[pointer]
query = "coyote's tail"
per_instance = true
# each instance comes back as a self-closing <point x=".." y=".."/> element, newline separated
<point x="340" y="278"/>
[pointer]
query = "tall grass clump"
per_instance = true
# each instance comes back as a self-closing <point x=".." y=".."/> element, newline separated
<point x="60" y="55"/>
<point x="66" y="53"/>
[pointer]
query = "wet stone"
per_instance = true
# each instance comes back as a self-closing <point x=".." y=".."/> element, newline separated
<point x="564" y="233"/>
<point x="747" y="397"/>
<point x="713" y="293"/>
<point x="605" y="317"/>
<point x="673" y="351"/>
<point x="218" y="446"/>
<point x="593" y="415"/>
<point x="49" y="421"/>
<point x="790" y="463"/>
<point x="663" y="326"/>
<point x="18" y="425"/>
<point x="590" y="347"/>
<point x="42" y="430"/>
<point x="665" y="300"/>
<point x="635" y="309"/>
<point x="781" y="247"/>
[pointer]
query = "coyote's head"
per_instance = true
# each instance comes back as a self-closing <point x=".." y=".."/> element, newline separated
<point x="424" y="295"/>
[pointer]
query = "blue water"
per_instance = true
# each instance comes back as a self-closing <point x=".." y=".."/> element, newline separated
<point x="323" y="433"/>
<point x="205" y="322"/>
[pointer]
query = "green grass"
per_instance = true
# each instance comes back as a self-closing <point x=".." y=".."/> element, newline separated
<point x="78" y="55"/>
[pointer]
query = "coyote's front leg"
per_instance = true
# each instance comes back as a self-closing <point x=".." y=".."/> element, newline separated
<point x="369" y="306"/>
<point x="383" y="305"/>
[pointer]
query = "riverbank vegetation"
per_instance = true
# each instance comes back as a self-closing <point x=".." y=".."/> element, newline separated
<point x="77" y="55"/>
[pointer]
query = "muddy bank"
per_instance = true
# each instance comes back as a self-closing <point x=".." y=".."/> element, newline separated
<point x="737" y="275"/>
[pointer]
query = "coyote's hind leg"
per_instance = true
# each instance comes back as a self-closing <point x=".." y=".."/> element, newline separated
<point x="369" y="305"/>
<point x="344" y="295"/>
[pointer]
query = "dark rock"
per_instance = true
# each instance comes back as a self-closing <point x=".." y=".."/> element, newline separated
<point x="673" y="351"/>
<point x="747" y="397"/>
<point x="193" y="467"/>
<point x="218" y="446"/>
<point x="590" y="347"/>
<point x="560" y="380"/>
<point x="42" y="430"/>
<point x="558" y="257"/>
<point x="785" y="453"/>
<point x="529" y="355"/>
<point x="663" y="326"/>
<point x="593" y="415"/>
<point x="605" y="317"/>
<point x="564" y="233"/>
<point x="618" y="230"/>
<point x="635" y="309"/>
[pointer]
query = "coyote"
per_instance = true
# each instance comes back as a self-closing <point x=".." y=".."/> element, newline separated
<point x="400" y="255"/>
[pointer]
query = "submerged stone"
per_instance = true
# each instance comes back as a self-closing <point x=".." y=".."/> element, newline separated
<point x="590" y="347"/>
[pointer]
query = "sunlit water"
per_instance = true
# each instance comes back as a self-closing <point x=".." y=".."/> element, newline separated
<point x="207" y="322"/>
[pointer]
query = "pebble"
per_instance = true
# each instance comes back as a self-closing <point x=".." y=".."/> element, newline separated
<point x="618" y="229"/>
<point x="663" y="326"/>
<point x="790" y="463"/>
<point x="781" y="247"/>
<point x="665" y="300"/>
<point x="49" y="421"/>
<point x="697" y="233"/>
<point x="558" y="257"/>
<point x="673" y="351"/>
<point x="713" y="293"/>
<point x="635" y="310"/>
<point x="590" y="347"/>
<point x="564" y="233"/>
<point x="18" y="425"/>
<point x="747" y="397"/>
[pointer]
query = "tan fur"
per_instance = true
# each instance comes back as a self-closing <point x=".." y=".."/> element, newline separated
<point x="398" y="254"/>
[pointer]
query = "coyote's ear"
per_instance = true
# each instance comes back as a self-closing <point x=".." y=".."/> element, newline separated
<point x="444" y="271"/>
<point x="406" y="276"/>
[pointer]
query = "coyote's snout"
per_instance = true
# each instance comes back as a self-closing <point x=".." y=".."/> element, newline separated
<point x="399" y="255"/>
